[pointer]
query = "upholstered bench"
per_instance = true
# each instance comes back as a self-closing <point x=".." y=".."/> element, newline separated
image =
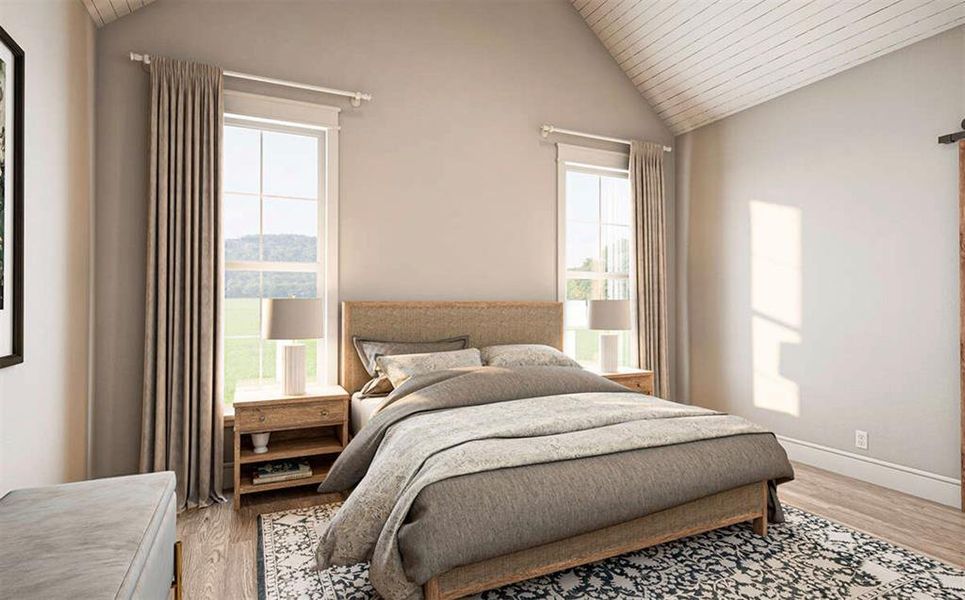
<point x="105" y="538"/>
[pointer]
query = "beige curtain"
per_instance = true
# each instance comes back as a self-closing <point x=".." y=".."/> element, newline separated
<point x="182" y="427"/>
<point x="647" y="187"/>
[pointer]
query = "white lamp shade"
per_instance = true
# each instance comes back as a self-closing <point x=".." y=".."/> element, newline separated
<point x="292" y="319"/>
<point x="609" y="315"/>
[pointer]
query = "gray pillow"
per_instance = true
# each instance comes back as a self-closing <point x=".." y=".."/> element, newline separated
<point x="400" y="367"/>
<point x="368" y="350"/>
<point x="525" y="355"/>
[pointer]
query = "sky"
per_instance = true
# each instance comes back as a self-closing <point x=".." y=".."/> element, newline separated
<point x="290" y="168"/>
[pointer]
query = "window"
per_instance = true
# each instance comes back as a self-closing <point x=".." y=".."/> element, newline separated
<point x="596" y="246"/>
<point x="279" y="227"/>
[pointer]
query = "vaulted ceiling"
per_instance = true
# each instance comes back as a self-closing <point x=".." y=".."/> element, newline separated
<point x="697" y="61"/>
<point x="105" y="11"/>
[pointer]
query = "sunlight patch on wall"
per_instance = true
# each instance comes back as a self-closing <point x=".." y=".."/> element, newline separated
<point x="775" y="302"/>
<point x="772" y="390"/>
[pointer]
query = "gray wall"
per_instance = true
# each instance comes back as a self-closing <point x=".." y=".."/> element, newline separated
<point x="447" y="191"/>
<point x="43" y="402"/>
<point x="822" y="236"/>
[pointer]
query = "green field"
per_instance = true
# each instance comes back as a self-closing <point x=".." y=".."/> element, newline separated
<point x="242" y="355"/>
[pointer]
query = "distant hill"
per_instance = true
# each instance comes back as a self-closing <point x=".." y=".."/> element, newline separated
<point x="277" y="247"/>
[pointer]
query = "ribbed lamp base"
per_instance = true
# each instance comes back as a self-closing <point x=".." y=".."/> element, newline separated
<point x="293" y="368"/>
<point x="609" y="352"/>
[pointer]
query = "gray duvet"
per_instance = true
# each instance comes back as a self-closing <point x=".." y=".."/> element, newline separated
<point x="463" y="465"/>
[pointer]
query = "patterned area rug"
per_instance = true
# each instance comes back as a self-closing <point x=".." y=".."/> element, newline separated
<point x="806" y="557"/>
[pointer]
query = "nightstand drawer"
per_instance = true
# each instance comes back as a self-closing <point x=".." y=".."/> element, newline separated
<point x="306" y="414"/>
<point x="638" y="381"/>
<point x="641" y="384"/>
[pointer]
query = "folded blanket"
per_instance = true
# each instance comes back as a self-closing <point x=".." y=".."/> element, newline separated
<point x="450" y="424"/>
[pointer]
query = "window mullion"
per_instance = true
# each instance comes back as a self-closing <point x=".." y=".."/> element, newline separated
<point x="273" y="266"/>
<point x="599" y="225"/>
<point x="261" y="247"/>
<point x="261" y="195"/>
<point x="261" y="288"/>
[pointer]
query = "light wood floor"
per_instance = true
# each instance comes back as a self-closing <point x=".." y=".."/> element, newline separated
<point x="920" y="525"/>
<point x="220" y="555"/>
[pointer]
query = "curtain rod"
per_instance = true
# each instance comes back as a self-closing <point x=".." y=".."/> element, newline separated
<point x="356" y="97"/>
<point x="545" y="130"/>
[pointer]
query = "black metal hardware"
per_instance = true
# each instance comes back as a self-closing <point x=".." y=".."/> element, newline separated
<point x="951" y="138"/>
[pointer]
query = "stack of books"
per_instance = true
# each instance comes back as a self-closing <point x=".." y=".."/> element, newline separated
<point x="283" y="470"/>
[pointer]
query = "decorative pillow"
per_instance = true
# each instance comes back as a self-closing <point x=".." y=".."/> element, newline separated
<point x="525" y="355"/>
<point x="369" y="349"/>
<point x="400" y="367"/>
<point x="377" y="386"/>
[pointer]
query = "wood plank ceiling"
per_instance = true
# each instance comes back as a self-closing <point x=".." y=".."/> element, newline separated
<point x="697" y="61"/>
<point x="105" y="11"/>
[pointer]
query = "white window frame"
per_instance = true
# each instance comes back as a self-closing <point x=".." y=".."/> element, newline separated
<point x="292" y="116"/>
<point x="595" y="161"/>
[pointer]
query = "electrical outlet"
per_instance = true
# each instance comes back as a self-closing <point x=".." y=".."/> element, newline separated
<point x="860" y="439"/>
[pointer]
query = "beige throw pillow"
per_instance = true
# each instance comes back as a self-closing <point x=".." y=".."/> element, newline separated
<point x="400" y="367"/>
<point x="525" y="355"/>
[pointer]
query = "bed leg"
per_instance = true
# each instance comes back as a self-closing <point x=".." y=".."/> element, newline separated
<point x="760" y="523"/>
<point x="431" y="590"/>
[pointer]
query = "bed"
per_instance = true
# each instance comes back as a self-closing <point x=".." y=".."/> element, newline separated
<point x="469" y="479"/>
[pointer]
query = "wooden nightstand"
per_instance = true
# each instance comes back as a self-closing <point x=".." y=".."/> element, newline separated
<point x="313" y="426"/>
<point x="638" y="380"/>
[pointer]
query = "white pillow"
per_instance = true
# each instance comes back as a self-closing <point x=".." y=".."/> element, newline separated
<point x="525" y="355"/>
<point x="400" y="367"/>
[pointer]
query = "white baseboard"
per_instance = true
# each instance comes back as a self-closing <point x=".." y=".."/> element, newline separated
<point x="930" y="486"/>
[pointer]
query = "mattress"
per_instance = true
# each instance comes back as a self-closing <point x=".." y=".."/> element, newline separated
<point x="362" y="410"/>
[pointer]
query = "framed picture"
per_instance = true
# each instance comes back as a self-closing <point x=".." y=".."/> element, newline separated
<point x="11" y="201"/>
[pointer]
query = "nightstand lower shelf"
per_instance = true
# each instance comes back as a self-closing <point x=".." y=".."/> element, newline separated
<point x="320" y="467"/>
<point x="247" y="487"/>
<point x="293" y="448"/>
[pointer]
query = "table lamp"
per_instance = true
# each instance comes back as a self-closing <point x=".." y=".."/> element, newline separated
<point x="609" y="316"/>
<point x="292" y="320"/>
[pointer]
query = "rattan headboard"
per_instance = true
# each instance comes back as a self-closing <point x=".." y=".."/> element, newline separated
<point x="486" y="324"/>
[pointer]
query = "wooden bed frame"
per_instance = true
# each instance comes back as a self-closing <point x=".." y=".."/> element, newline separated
<point x="489" y="323"/>
<point x="747" y="503"/>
